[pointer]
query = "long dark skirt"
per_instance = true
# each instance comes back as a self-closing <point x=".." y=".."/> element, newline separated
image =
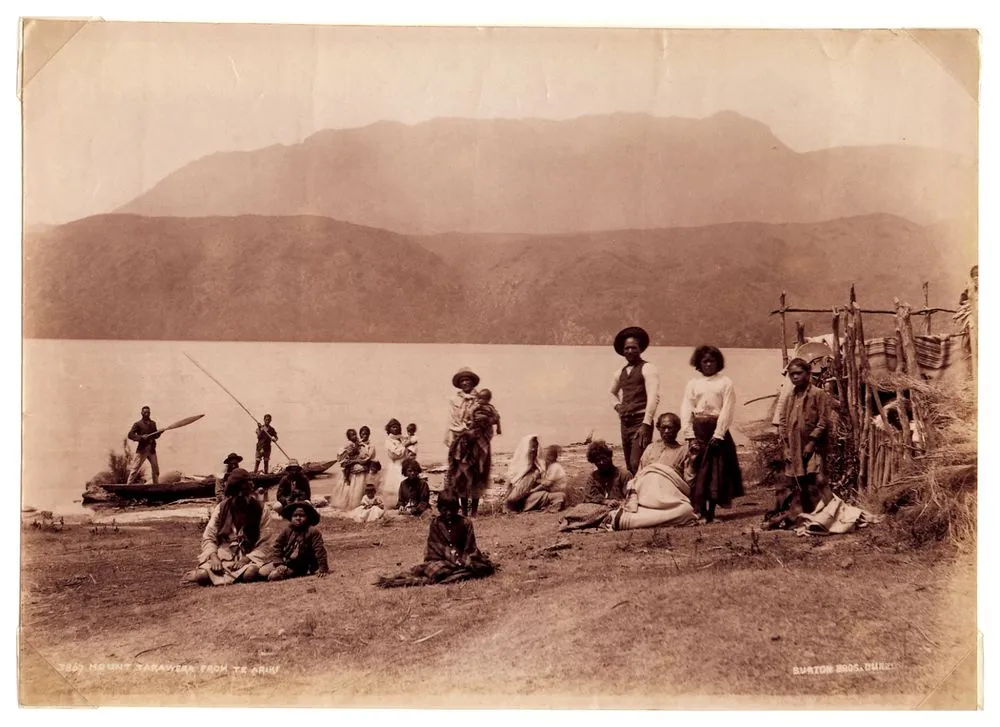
<point x="469" y="463"/>
<point x="718" y="477"/>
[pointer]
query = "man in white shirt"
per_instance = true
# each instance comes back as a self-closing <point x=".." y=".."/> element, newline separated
<point x="636" y="392"/>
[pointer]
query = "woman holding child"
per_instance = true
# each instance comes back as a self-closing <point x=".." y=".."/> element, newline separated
<point x="395" y="450"/>
<point x="469" y="436"/>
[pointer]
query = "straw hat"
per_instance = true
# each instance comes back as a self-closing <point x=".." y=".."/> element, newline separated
<point x="293" y="464"/>
<point x="631" y="332"/>
<point x="232" y="457"/>
<point x="311" y="515"/>
<point x="465" y="373"/>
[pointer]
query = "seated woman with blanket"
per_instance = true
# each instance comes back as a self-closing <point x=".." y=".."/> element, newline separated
<point x="529" y="487"/>
<point x="451" y="555"/>
<point x="658" y="495"/>
<point x="236" y="541"/>
<point x="605" y="490"/>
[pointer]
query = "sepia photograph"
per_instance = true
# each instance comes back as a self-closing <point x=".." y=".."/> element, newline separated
<point x="498" y="367"/>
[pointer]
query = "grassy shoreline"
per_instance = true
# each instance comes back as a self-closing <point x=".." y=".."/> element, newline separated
<point x="692" y="617"/>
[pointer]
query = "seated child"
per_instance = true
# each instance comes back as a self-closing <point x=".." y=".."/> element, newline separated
<point x="414" y="493"/>
<point x="549" y="494"/>
<point x="554" y="478"/>
<point x="298" y="549"/>
<point x="371" y="508"/>
<point x="451" y="554"/>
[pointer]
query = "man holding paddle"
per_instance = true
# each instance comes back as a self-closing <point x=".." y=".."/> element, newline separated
<point x="145" y="434"/>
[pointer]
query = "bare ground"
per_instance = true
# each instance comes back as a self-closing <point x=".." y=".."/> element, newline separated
<point x="688" y="617"/>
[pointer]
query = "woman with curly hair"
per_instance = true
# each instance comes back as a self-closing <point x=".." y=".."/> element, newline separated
<point x="707" y="412"/>
<point x="605" y="490"/>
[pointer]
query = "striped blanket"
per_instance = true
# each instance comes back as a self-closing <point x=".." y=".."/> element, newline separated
<point x="934" y="353"/>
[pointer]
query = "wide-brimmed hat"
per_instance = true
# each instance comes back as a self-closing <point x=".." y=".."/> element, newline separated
<point x="293" y="464"/>
<point x="464" y="373"/>
<point x="236" y="480"/>
<point x="631" y="332"/>
<point x="232" y="457"/>
<point x="311" y="515"/>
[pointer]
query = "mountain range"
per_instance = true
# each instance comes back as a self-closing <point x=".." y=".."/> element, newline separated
<point x="310" y="278"/>
<point x="589" y="174"/>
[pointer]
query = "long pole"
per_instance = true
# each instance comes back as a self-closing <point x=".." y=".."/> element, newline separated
<point x="784" y="334"/>
<point x="249" y="413"/>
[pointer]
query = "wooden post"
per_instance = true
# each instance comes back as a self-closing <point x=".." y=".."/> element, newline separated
<point x="900" y="363"/>
<point x="974" y="322"/>
<point x="927" y="304"/>
<point x="904" y="423"/>
<point x="838" y="362"/>
<point x="864" y="448"/>
<point x="863" y="359"/>
<point x="872" y="458"/>
<point x="800" y="333"/>
<point x="905" y="327"/>
<point x="784" y="333"/>
<point x="850" y="341"/>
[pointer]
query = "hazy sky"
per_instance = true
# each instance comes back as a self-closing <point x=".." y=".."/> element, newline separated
<point x="120" y="105"/>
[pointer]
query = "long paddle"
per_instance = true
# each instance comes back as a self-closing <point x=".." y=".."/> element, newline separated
<point x="178" y="424"/>
<point x="249" y="413"/>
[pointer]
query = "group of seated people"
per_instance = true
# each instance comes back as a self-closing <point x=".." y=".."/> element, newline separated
<point x="241" y="542"/>
<point x="658" y="495"/>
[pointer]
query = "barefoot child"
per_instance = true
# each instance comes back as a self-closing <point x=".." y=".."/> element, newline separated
<point x="371" y="508"/>
<point x="299" y="548"/>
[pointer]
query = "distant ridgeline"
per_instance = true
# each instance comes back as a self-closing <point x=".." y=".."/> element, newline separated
<point x="310" y="278"/>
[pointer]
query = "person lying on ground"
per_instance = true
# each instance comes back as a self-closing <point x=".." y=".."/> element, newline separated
<point x="299" y="548"/>
<point x="451" y="555"/>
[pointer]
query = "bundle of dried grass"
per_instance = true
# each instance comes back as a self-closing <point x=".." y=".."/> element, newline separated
<point x="934" y="496"/>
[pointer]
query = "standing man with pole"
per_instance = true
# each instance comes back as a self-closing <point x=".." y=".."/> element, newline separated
<point x="265" y="435"/>
<point x="144" y="434"/>
<point x="635" y="389"/>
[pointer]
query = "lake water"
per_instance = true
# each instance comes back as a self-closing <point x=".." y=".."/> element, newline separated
<point x="81" y="398"/>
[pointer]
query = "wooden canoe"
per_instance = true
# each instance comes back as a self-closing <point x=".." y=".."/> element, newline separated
<point x="164" y="492"/>
<point x="309" y="469"/>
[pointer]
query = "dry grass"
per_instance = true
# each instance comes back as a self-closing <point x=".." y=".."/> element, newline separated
<point x="672" y="617"/>
<point x="934" y="498"/>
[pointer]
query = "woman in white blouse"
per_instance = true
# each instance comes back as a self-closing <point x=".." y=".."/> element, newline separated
<point x="707" y="413"/>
